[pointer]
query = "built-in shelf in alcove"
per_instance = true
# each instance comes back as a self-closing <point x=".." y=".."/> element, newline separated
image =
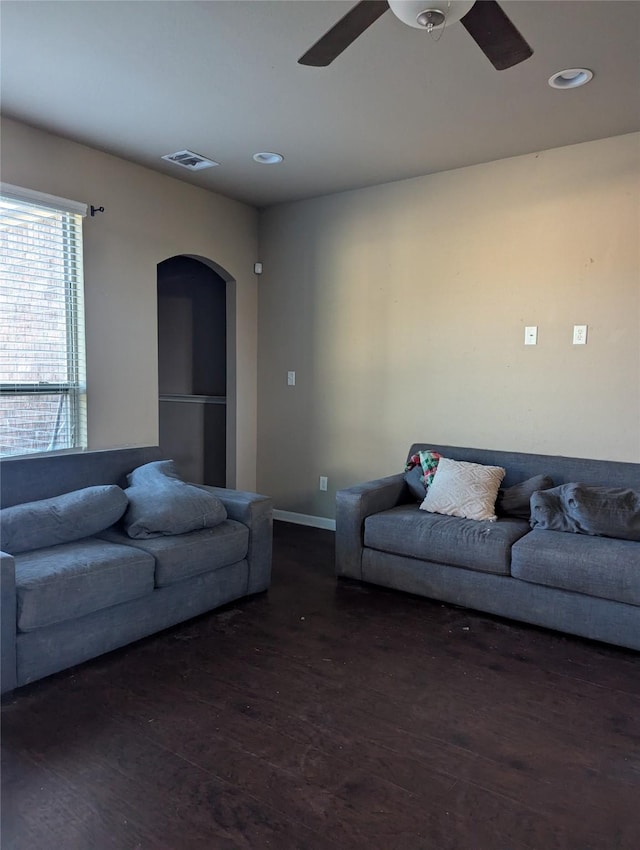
<point x="192" y="373"/>
<point x="194" y="399"/>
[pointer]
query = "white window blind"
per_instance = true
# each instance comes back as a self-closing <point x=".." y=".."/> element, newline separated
<point x="42" y="353"/>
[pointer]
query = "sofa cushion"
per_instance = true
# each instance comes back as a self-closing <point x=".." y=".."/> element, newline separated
<point x="61" y="519"/>
<point x="68" y="581"/>
<point x="187" y="555"/>
<point x="477" y="545"/>
<point x="160" y="503"/>
<point x="596" y="566"/>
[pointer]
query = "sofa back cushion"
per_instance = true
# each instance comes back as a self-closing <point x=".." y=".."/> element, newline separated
<point x="32" y="477"/>
<point x="519" y="466"/>
<point x="61" y="519"/>
<point x="161" y="503"/>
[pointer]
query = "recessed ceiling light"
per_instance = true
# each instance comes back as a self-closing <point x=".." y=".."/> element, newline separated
<point x="571" y="78"/>
<point x="268" y="158"/>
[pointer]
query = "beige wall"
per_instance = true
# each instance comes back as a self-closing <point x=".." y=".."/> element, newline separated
<point x="148" y="217"/>
<point x="402" y="309"/>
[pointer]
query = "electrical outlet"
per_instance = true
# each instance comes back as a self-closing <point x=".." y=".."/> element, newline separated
<point x="323" y="482"/>
<point x="579" y="334"/>
<point x="291" y="379"/>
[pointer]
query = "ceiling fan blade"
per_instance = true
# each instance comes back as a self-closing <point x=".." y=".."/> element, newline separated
<point x="340" y="36"/>
<point x="495" y="35"/>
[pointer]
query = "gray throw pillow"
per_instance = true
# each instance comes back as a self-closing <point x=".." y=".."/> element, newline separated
<point x="548" y="511"/>
<point x="587" y="509"/>
<point x="415" y="483"/>
<point x="515" y="501"/>
<point x="61" y="519"/>
<point x="161" y="503"/>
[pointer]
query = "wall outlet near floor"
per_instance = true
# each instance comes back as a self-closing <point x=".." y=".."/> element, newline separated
<point x="323" y="482"/>
<point x="579" y="334"/>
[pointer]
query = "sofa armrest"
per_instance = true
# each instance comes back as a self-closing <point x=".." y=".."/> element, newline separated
<point x="353" y="506"/>
<point x="8" y="611"/>
<point x="256" y="512"/>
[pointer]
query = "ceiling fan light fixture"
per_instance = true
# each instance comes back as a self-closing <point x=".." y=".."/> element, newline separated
<point x="570" y="78"/>
<point x="431" y="18"/>
<point x="429" y="14"/>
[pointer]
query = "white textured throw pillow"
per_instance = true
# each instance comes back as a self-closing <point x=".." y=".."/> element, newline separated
<point x="464" y="489"/>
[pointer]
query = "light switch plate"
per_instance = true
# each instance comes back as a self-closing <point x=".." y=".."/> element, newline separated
<point x="531" y="335"/>
<point x="291" y="379"/>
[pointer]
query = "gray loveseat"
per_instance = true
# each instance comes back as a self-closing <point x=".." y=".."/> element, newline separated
<point x="585" y="585"/>
<point x="63" y="604"/>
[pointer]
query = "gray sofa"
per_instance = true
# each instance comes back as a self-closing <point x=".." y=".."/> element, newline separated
<point x="576" y="583"/>
<point x="66" y="603"/>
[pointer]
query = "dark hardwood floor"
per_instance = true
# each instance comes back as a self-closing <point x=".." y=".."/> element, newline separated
<point x="325" y="715"/>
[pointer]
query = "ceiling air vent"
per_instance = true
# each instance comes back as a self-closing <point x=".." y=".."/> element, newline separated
<point x="189" y="159"/>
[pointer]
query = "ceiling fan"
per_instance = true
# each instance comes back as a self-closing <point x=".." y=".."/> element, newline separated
<point x="484" y="20"/>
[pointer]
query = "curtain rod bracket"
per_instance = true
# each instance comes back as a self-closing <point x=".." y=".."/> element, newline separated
<point x="95" y="210"/>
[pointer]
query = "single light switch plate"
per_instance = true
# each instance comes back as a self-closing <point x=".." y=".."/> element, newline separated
<point x="531" y="335"/>
<point x="580" y="334"/>
<point x="291" y="379"/>
<point x="323" y="482"/>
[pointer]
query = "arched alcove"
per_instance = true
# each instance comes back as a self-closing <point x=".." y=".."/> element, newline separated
<point x="196" y="380"/>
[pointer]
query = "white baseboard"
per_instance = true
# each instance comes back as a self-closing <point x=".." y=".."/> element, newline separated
<point x="306" y="519"/>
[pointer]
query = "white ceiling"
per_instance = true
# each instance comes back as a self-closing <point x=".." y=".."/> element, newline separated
<point x="145" y="78"/>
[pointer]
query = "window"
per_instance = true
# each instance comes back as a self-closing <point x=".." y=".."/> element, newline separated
<point x="42" y="359"/>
